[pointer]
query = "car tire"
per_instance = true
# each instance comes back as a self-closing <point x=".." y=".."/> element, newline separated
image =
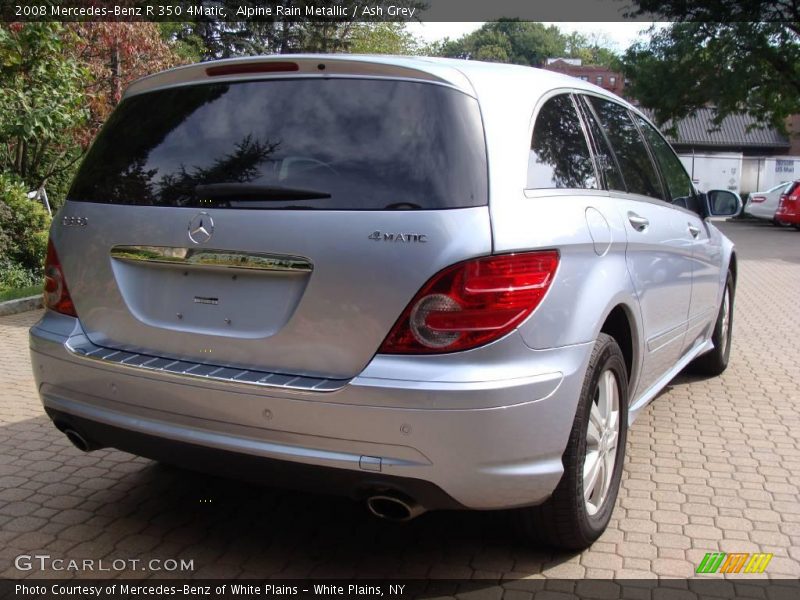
<point x="572" y="519"/>
<point x="713" y="363"/>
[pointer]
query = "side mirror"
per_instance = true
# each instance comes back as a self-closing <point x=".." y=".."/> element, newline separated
<point x="723" y="203"/>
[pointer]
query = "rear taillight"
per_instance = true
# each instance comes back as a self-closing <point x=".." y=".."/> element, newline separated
<point x="472" y="303"/>
<point x="756" y="199"/>
<point x="56" y="294"/>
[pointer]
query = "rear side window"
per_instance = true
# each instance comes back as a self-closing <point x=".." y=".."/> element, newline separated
<point x="605" y="157"/>
<point x="559" y="156"/>
<point x="679" y="185"/>
<point x="335" y="144"/>
<point x="634" y="161"/>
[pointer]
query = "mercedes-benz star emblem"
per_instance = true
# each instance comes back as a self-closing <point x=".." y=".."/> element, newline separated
<point x="201" y="228"/>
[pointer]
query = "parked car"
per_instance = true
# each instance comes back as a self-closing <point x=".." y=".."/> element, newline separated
<point x="763" y="205"/>
<point x="789" y="206"/>
<point x="425" y="283"/>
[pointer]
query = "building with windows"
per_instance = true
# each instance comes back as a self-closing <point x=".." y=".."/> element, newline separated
<point x="598" y="75"/>
<point x="737" y="155"/>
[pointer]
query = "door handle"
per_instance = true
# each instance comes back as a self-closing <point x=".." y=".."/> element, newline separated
<point x="695" y="231"/>
<point x="637" y="222"/>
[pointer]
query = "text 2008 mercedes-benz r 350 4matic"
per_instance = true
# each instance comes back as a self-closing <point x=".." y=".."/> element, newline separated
<point x="424" y="283"/>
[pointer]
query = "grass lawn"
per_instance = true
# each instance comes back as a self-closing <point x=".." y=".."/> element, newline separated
<point x="13" y="294"/>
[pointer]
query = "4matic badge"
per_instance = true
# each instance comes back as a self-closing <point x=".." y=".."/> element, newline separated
<point x="407" y="238"/>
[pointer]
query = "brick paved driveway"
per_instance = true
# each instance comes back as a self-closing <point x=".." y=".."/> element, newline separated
<point x="712" y="465"/>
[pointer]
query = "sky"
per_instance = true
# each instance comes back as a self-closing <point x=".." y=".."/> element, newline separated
<point x="620" y="34"/>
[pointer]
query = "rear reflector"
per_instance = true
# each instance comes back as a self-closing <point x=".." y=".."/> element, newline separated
<point x="472" y="303"/>
<point x="242" y="69"/>
<point x="56" y="295"/>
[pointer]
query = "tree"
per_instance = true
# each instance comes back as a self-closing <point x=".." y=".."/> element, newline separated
<point x="733" y="56"/>
<point x="23" y="231"/>
<point x="116" y="54"/>
<point x="281" y="35"/>
<point x="593" y="49"/>
<point x="383" y="38"/>
<point x="41" y="101"/>
<point x="526" y="43"/>
<point x="509" y="41"/>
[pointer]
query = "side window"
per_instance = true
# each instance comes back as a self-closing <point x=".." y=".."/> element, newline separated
<point x="559" y="156"/>
<point x="605" y="157"/>
<point x="638" y="170"/>
<point x="679" y="185"/>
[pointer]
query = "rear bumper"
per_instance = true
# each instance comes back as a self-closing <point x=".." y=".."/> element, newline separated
<point x="487" y="444"/>
<point x="788" y="215"/>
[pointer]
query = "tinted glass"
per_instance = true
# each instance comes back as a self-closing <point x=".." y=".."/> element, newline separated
<point x="559" y="156"/>
<point x="605" y="158"/>
<point x="637" y="169"/>
<point x="679" y="185"/>
<point x="306" y="144"/>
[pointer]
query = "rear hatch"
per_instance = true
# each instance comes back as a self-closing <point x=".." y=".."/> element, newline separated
<point x="279" y="225"/>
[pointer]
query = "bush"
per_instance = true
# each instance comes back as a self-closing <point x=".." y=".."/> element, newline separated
<point x="24" y="226"/>
<point x="13" y="276"/>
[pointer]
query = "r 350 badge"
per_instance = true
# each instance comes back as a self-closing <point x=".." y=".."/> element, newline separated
<point x="69" y="221"/>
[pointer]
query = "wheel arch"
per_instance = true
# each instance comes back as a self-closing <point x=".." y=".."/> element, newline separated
<point x="621" y="324"/>
<point x="733" y="266"/>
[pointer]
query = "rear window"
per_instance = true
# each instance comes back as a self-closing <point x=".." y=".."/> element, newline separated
<point x="335" y="144"/>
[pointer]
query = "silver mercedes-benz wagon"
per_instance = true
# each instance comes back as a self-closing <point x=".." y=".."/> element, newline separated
<point x="424" y="283"/>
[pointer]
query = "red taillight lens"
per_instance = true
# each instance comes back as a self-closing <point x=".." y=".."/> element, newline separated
<point x="56" y="294"/>
<point x="756" y="199"/>
<point x="472" y="303"/>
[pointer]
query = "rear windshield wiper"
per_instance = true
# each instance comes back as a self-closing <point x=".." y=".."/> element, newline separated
<point x="249" y="191"/>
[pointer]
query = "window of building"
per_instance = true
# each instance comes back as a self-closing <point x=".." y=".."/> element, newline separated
<point x="612" y="81"/>
<point x="599" y="80"/>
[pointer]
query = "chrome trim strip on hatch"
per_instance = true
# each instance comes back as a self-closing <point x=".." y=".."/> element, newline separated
<point x="83" y="347"/>
<point x="207" y="257"/>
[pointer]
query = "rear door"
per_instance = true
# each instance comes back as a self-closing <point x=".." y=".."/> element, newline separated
<point x="706" y="242"/>
<point x="659" y="254"/>
<point x="280" y="225"/>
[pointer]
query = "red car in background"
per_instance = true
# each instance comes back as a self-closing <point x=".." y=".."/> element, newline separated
<point x="789" y="206"/>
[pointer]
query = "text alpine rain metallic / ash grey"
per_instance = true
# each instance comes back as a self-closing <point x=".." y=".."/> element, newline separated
<point x="424" y="283"/>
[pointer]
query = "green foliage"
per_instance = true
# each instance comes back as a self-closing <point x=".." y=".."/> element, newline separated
<point x="509" y="41"/>
<point x="14" y="277"/>
<point x="184" y="41"/>
<point x="24" y="226"/>
<point x="284" y="34"/>
<point x="41" y="101"/>
<point x="526" y="43"/>
<point x="595" y="49"/>
<point x="733" y="56"/>
<point x="383" y="38"/>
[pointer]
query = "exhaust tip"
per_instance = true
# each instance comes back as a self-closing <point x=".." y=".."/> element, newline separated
<point x="77" y="440"/>
<point x="393" y="508"/>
